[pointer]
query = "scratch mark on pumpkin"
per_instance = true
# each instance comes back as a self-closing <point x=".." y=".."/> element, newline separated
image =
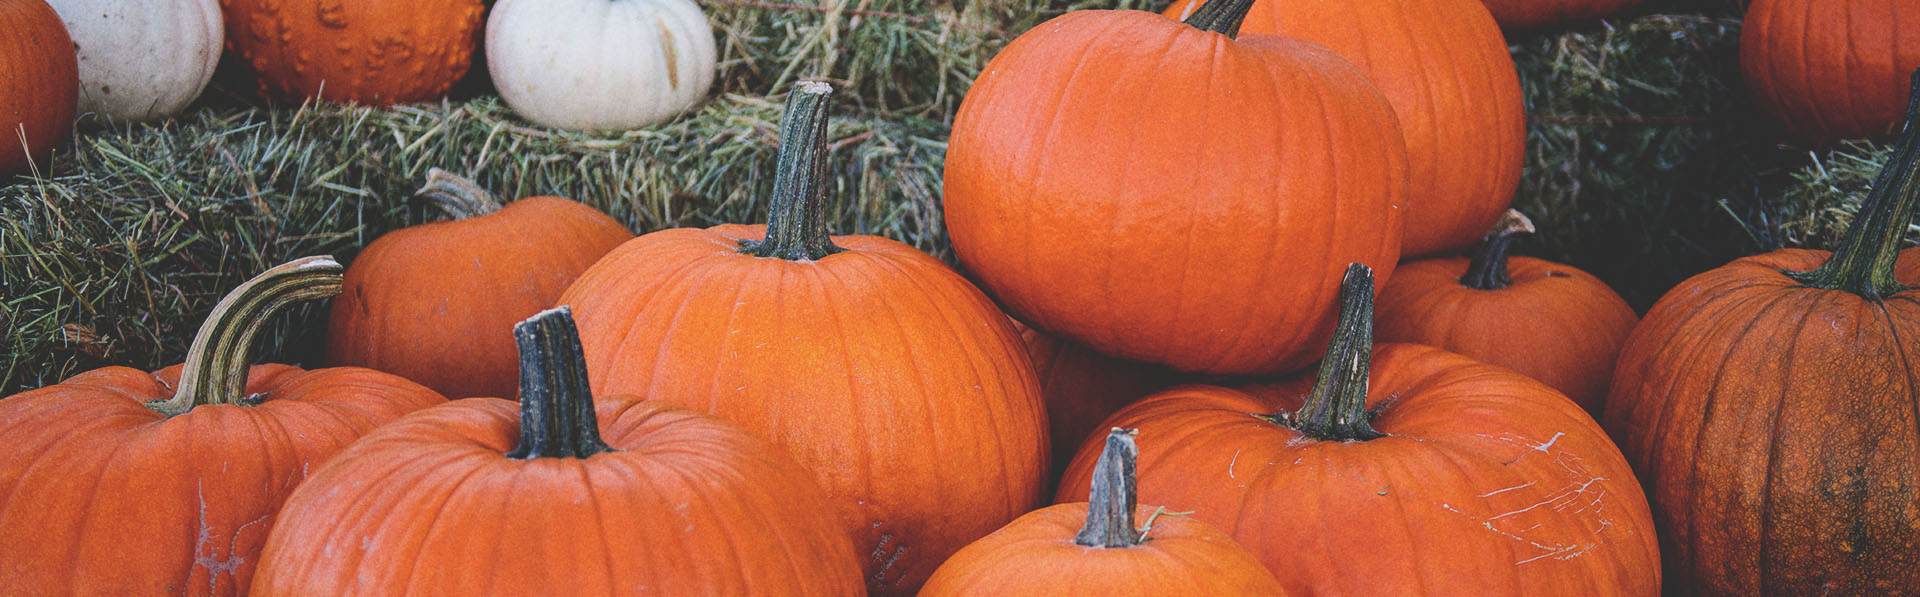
<point x="1500" y="491"/>
<point x="1230" y="463"/>
<point x="202" y="550"/>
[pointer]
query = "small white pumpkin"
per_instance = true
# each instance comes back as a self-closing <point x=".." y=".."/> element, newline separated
<point x="600" y="65"/>
<point x="142" y="59"/>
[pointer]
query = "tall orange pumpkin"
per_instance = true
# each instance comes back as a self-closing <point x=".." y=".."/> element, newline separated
<point x="447" y="502"/>
<point x="1830" y="70"/>
<point x="1771" y="406"/>
<point x="1532" y="14"/>
<point x="1399" y="470"/>
<point x="123" y="482"/>
<point x="1444" y="66"/>
<point x="1166" y="193"/>
<point x="39" y="84"/>
<point x="903" y="388"/>
<point x="436" y="303"/>
<point x="370" y="52"/>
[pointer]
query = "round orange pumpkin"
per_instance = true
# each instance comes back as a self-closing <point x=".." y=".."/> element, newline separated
<point x="123" y="482"/>
<point x="1771" y="404"/>
<point x="447" y="502"/>
<point x="1532" y="14"/>
<point x="1399" y="470"/>
<point x="1094" y="548"/>
<point x="1549" y="321"/>
<point x="1163" y="192"/>
<point x="39" y="85"/>
<point x="369" y="52"/>
<point x="436" y="303"/>
<point x="1830" y="70"/>
<point x="904" y="389"/>
<point x="1444" y="66"/>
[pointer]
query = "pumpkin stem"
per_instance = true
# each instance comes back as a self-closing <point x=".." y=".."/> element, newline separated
<point x="215" y="371"/>
<point x="1220" y="16"/>
<point x="1863" y="263"/>
<point x="797" y="224"/>
<point x="456" y="195"/>
<point x="1487" y="269"/>
<point x="556" y="408"/>
<point x="1110" y="504"/>
<point x="1337" y="408"/>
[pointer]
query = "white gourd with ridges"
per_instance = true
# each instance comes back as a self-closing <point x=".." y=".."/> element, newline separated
<point x="142" y="59"/>
<point x="600" y="65"/>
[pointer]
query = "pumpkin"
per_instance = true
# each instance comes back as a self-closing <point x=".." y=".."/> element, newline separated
<point x="899" y="384"/>
<point x="1082" y="387"/>
<point x="1534" y="14"/>
<point x="1770" y="406"/>
<point x="1549" y="321"/>
<point x="38" y="84"/>
<point x="122" y="482"/>
<point x="142" y="60"/>
<point x="436" y="303"/>
<point x="360" y="51"/>
<point x="1829" y="70"/>
<point x="600" y="65"/>
<point x="1444" y="66"/>
<point x="1163" y="192"/>
<point x="1052" y="552"/>
<point x="491" y="497"/>
<point x="1398" y="470"/>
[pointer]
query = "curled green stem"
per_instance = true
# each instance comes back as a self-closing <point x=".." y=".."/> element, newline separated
<point x="215" y="371"/>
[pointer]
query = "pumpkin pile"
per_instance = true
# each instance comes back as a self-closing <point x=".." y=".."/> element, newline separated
<point x="1169" y="230"/>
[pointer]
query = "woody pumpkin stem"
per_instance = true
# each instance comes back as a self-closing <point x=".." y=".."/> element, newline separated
<point x="1487" y="265"/>
<point x="460" y="197"/>
<point x="797" y="224"/>
<point x="215" y="371"/>
<point x="1863" y="263"/>
<point x="1337" y="408"/>
<point x="1220" y="16"/>
<point x="556" y="407"/>
<point x="1111" y="503"/>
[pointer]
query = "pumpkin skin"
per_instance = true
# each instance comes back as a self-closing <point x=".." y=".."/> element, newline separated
<point x="1444" y="66"/>
<point x="1082" y="387"/>
<point x="39" y="83"/>
<point x="1548" y="321"/>
<point x="143" y="60"/>
<point x="1830" y="70"/>
<point x="600" y="65"/>
<point x="360" y="51"/>
<point x="1535" y="14"/>
<point x="148" y="504"/>
<point x="902" y="387"/>
<point x="436" y="303"/>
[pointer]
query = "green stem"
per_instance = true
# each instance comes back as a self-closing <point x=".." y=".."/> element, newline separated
<point x="458" y="196"/>
<point x="556" y="408"/>
<point x="1111" y="503"/>
<point x="797" y="224"/>
<point x="1863" y="263"/>
<point x="1487" y="269"/>
<point x="1337" y="408"/>
<point x="215" y="371"/>
<point x="1220" y="16"/>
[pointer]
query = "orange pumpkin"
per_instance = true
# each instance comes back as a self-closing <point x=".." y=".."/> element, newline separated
<point x="39" y="85"/>
<point x="1534" y="14"/>
<point x="1082" y="387"/>
<point x="1165" y="193"/>
<point x="1444" y="66"/>
<point x="1552" y="322"/>
<point x="1830" y="70"/>
<point x="1771" y="404"/>
<point x="1399" y="470"/>
<point x="119" y="481"/>
<point x="360" y="51"/>
<point x="436" y="303"/>
<point x="903" y="388"/>
<point x="1094" y="548"/>
<point x="447" y="502"/>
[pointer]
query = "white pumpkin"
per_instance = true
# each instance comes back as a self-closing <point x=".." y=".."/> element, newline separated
<point x="142" y="59"/>
<point x="600" y="65"/>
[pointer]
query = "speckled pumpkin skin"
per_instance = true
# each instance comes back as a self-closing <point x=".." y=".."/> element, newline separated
<point x="371" y="52"/>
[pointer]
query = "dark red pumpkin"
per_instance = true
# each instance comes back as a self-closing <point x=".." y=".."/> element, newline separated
<point x="1552" y="322"/>
<point x="1770" y="404"/>
<point x="39" y="85"/>
<point x="123" y="482"/>
<point x="1082" y="387"/>
<point x="1534" y="14"/>
<point x="436" y="303"/>
<point x="1399" y="470"/>
<point x="1163" y="192"/>
<point x="362" y="51"/>
<point x="1829" y="70"/>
